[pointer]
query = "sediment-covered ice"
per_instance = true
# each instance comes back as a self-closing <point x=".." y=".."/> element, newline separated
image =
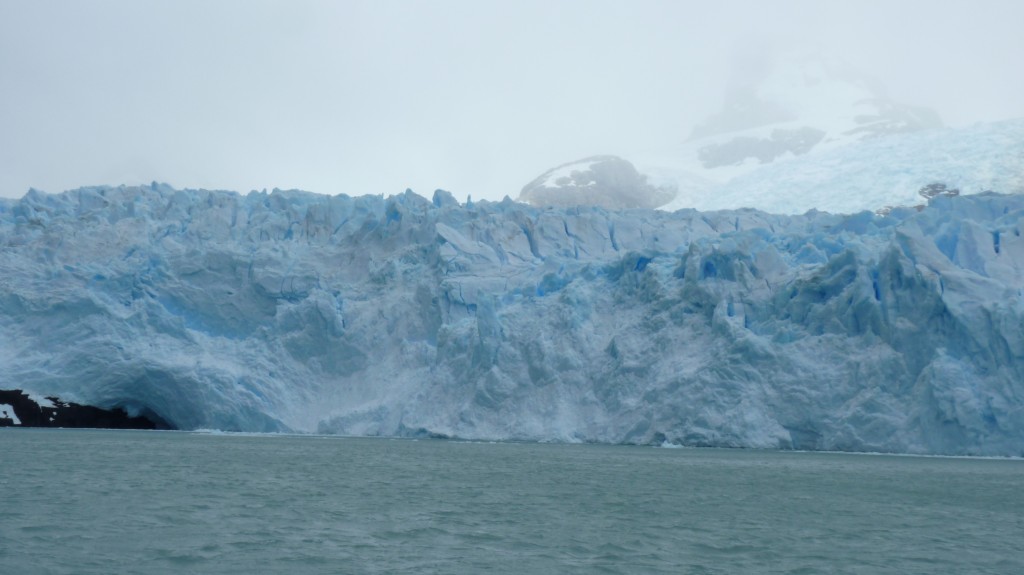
<point x="404" y="316"/>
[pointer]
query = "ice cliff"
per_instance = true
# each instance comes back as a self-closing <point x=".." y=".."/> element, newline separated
<point x="405" y="316"/>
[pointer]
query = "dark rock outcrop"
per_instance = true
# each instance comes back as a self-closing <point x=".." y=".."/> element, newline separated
<point x="932" y="190"/>
<point x="733" y="152"/>
<point x="65" y="414"/>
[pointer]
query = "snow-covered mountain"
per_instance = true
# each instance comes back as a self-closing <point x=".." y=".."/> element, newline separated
<point x="867" y="175"/>
<point x="605" y="181"/>
<point x="800" y="132"/>
<point x="793" y="103"/>
<point x="403" y="316"/>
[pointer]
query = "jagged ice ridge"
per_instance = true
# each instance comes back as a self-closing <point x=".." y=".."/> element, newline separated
<point x="292" y="311"/>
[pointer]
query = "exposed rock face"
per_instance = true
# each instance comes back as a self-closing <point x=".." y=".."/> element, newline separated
<point x="56" y="413"/>
<point x="936" y="189"/>
<point x="932" y="190"/>
<point x="605" y="181"/>
<point x="797" y="141"/>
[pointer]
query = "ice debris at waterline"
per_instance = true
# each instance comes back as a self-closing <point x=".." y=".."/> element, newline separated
<point x="403" y="316"/>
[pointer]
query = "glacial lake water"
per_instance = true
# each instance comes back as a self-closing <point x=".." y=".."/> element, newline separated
<point x="87" y="501"/>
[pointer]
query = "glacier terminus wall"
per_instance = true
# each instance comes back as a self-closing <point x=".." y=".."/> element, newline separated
<point x="403" y="316"/>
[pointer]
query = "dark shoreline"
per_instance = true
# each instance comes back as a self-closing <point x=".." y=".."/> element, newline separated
<point x="71" y="415"/>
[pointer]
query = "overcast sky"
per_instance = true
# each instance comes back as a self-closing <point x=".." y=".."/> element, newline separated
<point x="473" y="96"/>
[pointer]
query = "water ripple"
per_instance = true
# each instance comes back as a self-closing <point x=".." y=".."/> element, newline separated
<point x="128" y="502"/>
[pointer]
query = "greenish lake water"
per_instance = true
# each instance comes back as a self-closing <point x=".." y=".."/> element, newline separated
<point x="87" y="501"/>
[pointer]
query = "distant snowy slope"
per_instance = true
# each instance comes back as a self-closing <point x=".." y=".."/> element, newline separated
<point x="866" y="175"/>
<point x="805" y="131"/>
<point x="828" y="100"/>
<point x="403" y="316"/>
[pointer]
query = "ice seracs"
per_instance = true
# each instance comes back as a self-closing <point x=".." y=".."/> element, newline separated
<point x="409" y="316"/>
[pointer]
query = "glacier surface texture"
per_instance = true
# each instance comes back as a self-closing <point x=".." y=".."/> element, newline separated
<point x="293" y="311"/>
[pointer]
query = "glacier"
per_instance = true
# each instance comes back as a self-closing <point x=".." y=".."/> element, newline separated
<point x="403" y="316"/>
